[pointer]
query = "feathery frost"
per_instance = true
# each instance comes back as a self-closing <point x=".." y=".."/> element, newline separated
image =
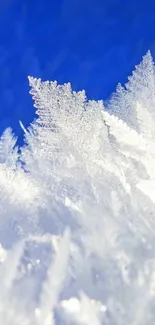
<point x="77" y="211"/>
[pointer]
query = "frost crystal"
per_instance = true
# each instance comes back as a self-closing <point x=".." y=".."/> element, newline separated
<point x="77" y="208"/>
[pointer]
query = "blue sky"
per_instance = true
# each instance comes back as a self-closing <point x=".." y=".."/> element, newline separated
<point x="94" y="44"/>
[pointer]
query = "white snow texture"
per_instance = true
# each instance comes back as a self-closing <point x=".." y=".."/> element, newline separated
<point x="77" y="208"/>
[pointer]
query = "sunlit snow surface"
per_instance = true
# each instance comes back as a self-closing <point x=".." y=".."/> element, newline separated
<point x="77" y="208"/>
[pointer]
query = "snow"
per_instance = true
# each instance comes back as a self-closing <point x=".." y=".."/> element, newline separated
<point x="77" y="208"/>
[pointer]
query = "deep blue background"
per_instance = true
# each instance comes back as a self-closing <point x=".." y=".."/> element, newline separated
<point x="94" y="44"/>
